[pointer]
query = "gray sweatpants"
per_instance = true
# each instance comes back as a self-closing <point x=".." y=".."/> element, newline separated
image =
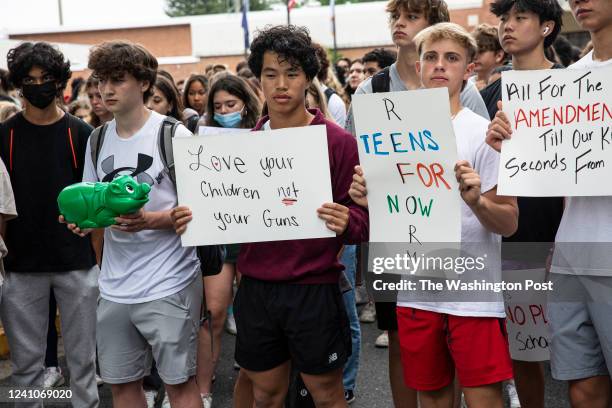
<point x="25" y="316"/>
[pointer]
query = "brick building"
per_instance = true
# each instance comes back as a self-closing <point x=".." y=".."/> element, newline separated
<point x="187" y="44"/>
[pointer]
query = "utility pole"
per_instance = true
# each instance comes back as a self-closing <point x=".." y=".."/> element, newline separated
<point x="333" y="21"/>
<point x="59" y="9"/>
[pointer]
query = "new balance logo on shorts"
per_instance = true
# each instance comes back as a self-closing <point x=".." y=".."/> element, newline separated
<point x="332" y="358"/>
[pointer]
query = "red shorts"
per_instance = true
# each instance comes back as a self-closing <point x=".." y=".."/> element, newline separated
<point x="434" y="345"/>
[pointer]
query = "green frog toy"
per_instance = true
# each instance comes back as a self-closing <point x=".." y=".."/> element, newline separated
<point x="95" y="205"/>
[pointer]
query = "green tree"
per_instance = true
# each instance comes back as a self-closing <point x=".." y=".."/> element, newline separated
<point x="179" y="8"/>
<point x="256" y="5"/>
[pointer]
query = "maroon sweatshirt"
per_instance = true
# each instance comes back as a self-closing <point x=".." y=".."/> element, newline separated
<point x="311" y="261"/>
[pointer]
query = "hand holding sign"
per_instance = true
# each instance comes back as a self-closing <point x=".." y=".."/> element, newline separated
<point x="180" y="218"/>
<point x="358" y="191"/>
<point x="499" y="129"/>
<point x="469" y="183"/>
<point x="336" y="217"/>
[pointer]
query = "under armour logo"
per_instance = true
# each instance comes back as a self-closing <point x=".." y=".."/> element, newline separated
<point x="332" y="358"/>
<point x="143" y="164"/>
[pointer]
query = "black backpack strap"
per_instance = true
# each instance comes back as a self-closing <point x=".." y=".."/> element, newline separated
<point x="381" y="81"/>
<point x="164" y="144"/>
<point x="95" y="143"/>
<point x="328" y="93"/>
<point x="192" y="123"/>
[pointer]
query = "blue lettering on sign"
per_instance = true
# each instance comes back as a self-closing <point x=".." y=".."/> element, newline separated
<point x="421" y="140"/>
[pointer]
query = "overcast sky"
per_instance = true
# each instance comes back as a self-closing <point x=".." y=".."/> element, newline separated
<point x="35" y="14"/>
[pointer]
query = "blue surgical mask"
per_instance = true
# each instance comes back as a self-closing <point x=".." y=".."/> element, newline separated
<point x="229" y="120"/>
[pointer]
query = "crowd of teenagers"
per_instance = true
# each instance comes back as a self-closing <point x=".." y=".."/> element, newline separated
<point x="136" y="311"/>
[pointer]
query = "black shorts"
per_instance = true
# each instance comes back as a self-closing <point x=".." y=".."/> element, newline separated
<point x="386" y="317"/>
<point x="277" y="322"/>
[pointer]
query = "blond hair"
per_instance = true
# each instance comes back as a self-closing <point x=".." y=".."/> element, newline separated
<point x="447" y="31"/>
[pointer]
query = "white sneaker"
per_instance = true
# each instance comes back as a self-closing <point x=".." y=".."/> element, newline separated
<point x="382" y="341"/>
<point x="53" y="377"/>
<point x="206" y="400"/>
<point x="361" y="295"/>
<point x="512" y="394"/>
<point x="230" y="324"/>
<point x="151" y="397"/>
<point x="166" y="402"/>
<point x="99" y="381"/>
<point x="368" y="314"/>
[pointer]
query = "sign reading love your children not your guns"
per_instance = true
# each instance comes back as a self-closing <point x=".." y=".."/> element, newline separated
<point x="254" y="186"/>
<point x="408" y="152"/>
<point x="561" y="141"/>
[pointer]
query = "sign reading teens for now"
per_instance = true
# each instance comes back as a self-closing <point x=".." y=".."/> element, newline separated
<point x="408" y="151"/>
<point x="562" y="133"/>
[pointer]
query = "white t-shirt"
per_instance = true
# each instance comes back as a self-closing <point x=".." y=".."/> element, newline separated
<point x="8" y="210"/>
<point x="150" y="264"/>
<point x="336" y="106"/>
<point x="585" y="219"/>
<point x="470" y="132"/>
<point x="470" y="96"/>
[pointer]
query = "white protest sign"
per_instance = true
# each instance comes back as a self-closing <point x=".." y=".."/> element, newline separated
<point x="258" y="186"/>
<point x="526" y="322"/>
<point x="561" y="143"/>
<point x="408" y="152"/>
<point x="212" y="130"/>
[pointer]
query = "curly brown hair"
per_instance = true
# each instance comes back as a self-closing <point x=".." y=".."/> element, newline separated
<point x="113" y="59"/>
<point x="435" y="11"/>
<point x="487" y="38"/>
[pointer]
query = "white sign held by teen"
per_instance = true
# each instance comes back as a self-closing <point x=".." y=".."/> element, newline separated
<point x="256" y="186"/>
<point x="526" y="319"/>
<point x="561" y="141"/>
<point x="211" y="130"/>
<point x="408" y="152"/>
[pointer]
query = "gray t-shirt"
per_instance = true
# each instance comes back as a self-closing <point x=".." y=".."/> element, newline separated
<point x="470" y="97"/>
<point x="147" y="265"/>
<point x="7" y="209"/>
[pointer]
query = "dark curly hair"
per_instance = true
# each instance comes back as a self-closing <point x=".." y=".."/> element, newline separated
<point x="291" y="43"/>
<point x="381" y="56"/>
<point x="113" y="59"/>
<point x="234" y="85"/>
<point x="22" y="58"/>
<point x="546" y="10"/>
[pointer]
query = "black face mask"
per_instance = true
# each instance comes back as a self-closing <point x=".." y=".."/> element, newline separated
<point x="41" y="95"/>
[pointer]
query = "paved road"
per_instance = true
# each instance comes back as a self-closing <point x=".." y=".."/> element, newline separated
<point x="373" y="387"/>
